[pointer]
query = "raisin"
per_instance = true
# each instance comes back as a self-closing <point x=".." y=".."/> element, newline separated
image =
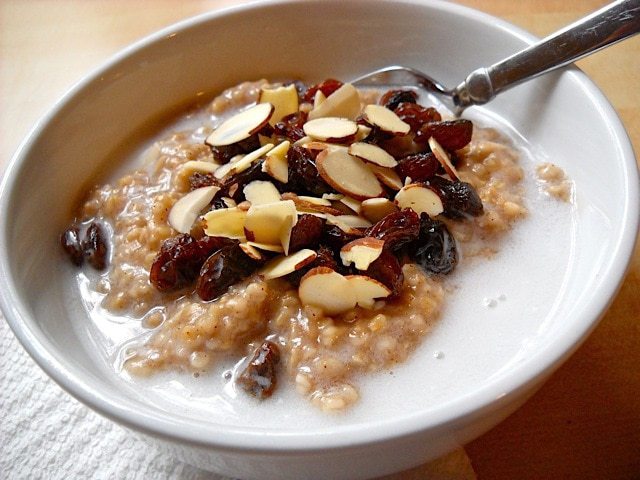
<point x="419" y="166"/>
<point x="94" y="246"/>
<point x="327" y="88"/>
<point x="460" y="200"/>
<point x="387" y="270"/>
<point x="416" y="115"/>
<point x="393" y="98"/>
<point x="325" y="258"/>
<point x="303" y="174"/>
<point x="301" y="88"/>
<point x="450" y="134"/>
<point x="221" y="270"/>
<point x="435" y="250"/>
<point x="291" y="126"/>
<point x="306" y="233"/>
<point x="179" y="260"/>
<point x="70" y="241"/>
<point x="335" y="237"/>
<point x="259" y="377"/>
<point x="396" y="229"/>
<point x="222" y="154"/>
<point x="199" y="180"/>
<point x="233" y="185"/>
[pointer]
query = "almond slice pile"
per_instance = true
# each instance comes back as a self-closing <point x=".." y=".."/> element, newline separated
<point x="306" y="187"/>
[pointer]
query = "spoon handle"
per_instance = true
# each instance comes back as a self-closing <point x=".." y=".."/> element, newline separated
<point x="609" y="25"/>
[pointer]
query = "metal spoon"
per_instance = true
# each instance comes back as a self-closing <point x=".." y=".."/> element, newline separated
<point x="609" y="25"/>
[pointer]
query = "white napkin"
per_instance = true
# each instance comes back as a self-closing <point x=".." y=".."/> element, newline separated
<point x="46" y="434"/>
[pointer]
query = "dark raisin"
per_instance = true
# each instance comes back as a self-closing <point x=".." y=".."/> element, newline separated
<point x="222" y="154"/>
<point x="199" y="180"/>
<point x="303" y="174"/>
<point x="451" y="134"/>
<point x="221" y="270"/>
<point x="325" y="258"/>
<point x="435" y="250"/>
<point x="387" y="270"/>
<point x="291" y="126"/>
<point x="416" y="115"/>
<point x="70" y="241"/>
<point x="301" y="88"/>
<point x="460" y="200"/>
<point x="306" y="233"/>
<point x="327" y="88"/>
<point x="179" y="260"/>
<point x="396" y="229"/>
<point x="259" y="377"/>
<point x="94" y="246"/>
<point x="335" y="237"/>
<point x="393" y="98"/>
<point x="419" y="166"/>
<point x="218" y="203"/>
<point x="232" y="185"/>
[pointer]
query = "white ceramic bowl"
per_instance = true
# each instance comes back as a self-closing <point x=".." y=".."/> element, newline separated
<point x="492" y="363"/>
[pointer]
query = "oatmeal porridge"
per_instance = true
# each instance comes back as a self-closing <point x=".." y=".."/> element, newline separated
<point x="309" y="230"/>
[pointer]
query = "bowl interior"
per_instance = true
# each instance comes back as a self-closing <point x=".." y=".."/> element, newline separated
<point x="567" y="259"/>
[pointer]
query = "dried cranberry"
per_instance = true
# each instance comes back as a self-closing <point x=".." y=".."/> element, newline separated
<point x="291" y="126"/>
<point x="435" y="250"/>
<point x="94" y="246"/>
<point x="451" y="134"/>
<point x="393" y="98"/>
<point x="419" y="166"/>
<point x="327" y="88"/>
<point x="259" y="377"/>
<point x="303" y="174"/>
<point x="460" y="200"/>
<point x="306" y="233"/>
<point x="416" y="115"/>
<point x="387" y="270"/>
<point x="199" y="180"/>
<point x="396" y="229"/>
<point x="221" y="270"/>
<point x="325" y="258"/>
<point x="335" y="237"/>
<point x="70" y="241"/>
<point x="179" y="260"/>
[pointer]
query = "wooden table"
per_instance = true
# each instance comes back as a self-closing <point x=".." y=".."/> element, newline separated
<point x="585" y="422"/>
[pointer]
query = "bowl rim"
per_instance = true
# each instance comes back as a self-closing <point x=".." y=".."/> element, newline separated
<point x="490" y="397"/>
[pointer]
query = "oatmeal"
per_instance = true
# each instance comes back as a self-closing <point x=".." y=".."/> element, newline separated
<point x="554" y="181"/>
<point x="311" y="232"/>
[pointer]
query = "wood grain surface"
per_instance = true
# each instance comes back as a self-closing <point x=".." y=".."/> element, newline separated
<point x="585" y="422"/>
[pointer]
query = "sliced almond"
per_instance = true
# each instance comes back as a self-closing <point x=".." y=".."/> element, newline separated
<point x="229" y="202"/>
<point x="367" y="290"/>
<point x="361" y="252"/>
<point x="387" y="176"/>
<point x="285" y="231"/>
<point x="225" y="222"/>
<point x="337" y="220"/>
<point x="284" y="265"/>
<point x="348" y="174"/>
<point x="309" y="206"/>
<point x="315" y="200"/>
<point x="243" y="163"/>
<point x="363" y="132"/>
<point x="331" y="129"/>
<point x="266" y="247"/>
<point x="420" y="199"/>
<point x="241" y="126"/>
<point x="261" y="191"/>
<point x="375" y="209"/>
<point x="344" y="102"/>
<point x="200" y="166"/>
<point x="318" y="98"/>
<point x="372" y="154"/>
<point x="265" y="223"/>
<point x="283" y="99"/>
<point x="324" y="288"/>
<point x="251" y="251"/>
<point x="275" y="164"/>
<point x="303" y="141"/>
<point x="352" y="203"/>
<point x="385" y="119"/>
<point x="332" y="196"/>
<point x="185" y="211"/>
<point x="443" y="157"/>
